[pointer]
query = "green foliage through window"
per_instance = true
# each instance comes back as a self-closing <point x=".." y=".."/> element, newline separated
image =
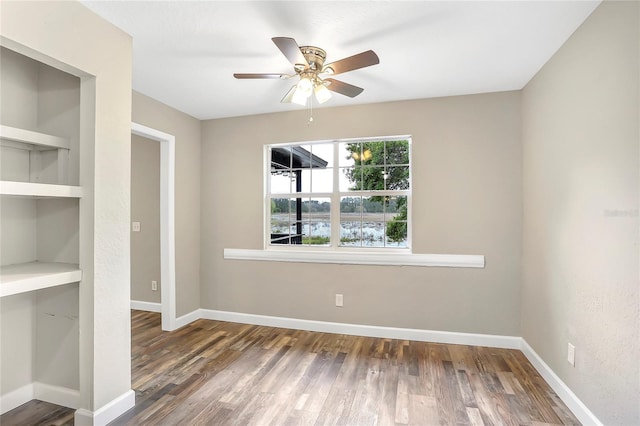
<point x="380" y="166"/>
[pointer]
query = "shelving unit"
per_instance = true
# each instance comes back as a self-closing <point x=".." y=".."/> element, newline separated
<point x="41" y="149"/>
<point x="29" y="137"/>
<point x="40" y="192"/>
<point x="34" y="142"/>
<point x="25" y="277"/>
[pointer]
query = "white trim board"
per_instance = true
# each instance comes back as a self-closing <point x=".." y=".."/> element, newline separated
<point x="358" y="258"/>
<point x="140" y="305"/>
<point x="567" y="396"/>
<point x="190" y="317"/>
<point x="16" y="398"/>
<point x="167" y="221"/>
<point x="494" y="341"/>
<point x="48" y="393"/>
<point x="577" y="407"/>
<point x="57" y="395"/>
<point x="107" y="412"/>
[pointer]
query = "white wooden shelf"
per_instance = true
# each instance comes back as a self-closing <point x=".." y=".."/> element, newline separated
<point x="33" y="138"/>
<point x="24" y="277"/>
<point x="28" y="189"/>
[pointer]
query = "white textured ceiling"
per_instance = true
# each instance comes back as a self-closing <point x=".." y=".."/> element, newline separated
<point x="185" y="52"/>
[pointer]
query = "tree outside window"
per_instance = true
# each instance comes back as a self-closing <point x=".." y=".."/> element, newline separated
<point x="379" y="166"/>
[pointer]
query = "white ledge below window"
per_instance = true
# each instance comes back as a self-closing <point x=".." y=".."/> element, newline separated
<point x="358" y="258"/>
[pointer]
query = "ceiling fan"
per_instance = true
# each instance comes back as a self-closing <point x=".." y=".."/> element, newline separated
<point x="308" y="63"/>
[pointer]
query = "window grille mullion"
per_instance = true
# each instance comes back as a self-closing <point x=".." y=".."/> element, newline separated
<point x="335" y="196"/>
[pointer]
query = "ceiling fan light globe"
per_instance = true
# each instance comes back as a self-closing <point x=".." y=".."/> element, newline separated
<point x="299" y="97"/>
<point x="322" y="93"/>
<point x="305" y="86"/>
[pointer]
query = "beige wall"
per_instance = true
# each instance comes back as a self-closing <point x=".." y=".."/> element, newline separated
<point x="186" y="129"/>
<point x="581" y="171"/>
<point x="145" y="208"/>
<point x="466" y="200"/>
<point x="72" y="37"/>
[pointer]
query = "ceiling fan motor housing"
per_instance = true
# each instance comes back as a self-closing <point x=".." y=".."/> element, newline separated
<point x="315" y="57"/>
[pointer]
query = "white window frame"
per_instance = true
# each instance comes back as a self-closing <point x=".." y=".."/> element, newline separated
<point x="335" y="197"/>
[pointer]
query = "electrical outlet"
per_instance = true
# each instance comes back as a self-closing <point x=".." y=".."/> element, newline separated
<point x="571" y="354"/>
<point x="339" y="300"/>
<point x="154" y="285"/>
<point x="135" y="226"/>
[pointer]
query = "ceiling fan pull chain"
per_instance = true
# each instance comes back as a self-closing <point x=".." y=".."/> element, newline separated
<point x="310" y="111"/>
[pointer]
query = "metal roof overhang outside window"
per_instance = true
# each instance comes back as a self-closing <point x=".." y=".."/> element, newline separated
<point x="294" y="159"/>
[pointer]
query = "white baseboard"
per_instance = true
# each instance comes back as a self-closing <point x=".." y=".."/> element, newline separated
<point x="567" y="396"/>
<point x="16" y="398"/>
<point x="187" y="319"/>
<point x="107" y="412"/>
<point x="57" y="395"/>
<point x="146" y="306"/>
<point x="507" y="342"/>
<point x="41" y="391"/>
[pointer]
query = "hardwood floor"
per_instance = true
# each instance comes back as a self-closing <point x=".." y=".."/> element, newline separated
<point x="218" y="373"/>
<point x="38" y="413"/>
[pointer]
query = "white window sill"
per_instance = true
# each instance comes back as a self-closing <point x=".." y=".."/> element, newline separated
<point x="358" y="258"/>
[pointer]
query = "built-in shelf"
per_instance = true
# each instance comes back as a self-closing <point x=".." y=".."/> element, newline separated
<point x="28" y="189"/>
<point x="33" y="138"/>
<point x="40" y="147"/>
<point x="24" y="277"/>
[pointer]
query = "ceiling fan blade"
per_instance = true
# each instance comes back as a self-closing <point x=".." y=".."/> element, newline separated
<point x="351" y="63"/>
<point x="291" y="50"/>
<point x="343" y="88"/>
<point x="262" y="75"/>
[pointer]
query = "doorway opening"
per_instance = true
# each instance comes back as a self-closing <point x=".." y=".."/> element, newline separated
<point x="167" y="222"/>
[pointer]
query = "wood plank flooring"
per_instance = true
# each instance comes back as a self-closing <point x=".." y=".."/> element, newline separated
<point x="38" y="413"/>
<point x="219" y="373"/>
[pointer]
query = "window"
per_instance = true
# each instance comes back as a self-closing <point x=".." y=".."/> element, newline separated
<point x="352" y="193"/>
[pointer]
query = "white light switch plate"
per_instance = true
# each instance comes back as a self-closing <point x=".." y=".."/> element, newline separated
<point x="571" y="354"/>
<point x="135" y="226"/>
